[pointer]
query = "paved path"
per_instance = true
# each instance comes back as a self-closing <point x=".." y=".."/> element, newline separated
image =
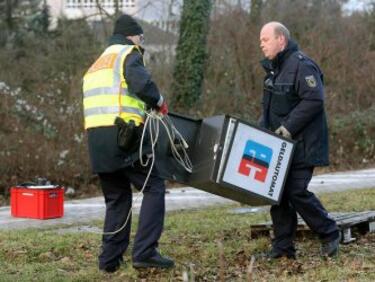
<point x="84" y="211"/>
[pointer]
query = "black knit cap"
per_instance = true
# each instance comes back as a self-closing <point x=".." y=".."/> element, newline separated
<point x="127" y="26"/>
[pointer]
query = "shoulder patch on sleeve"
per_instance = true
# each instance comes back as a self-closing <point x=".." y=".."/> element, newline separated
<point x="311" y="81"/>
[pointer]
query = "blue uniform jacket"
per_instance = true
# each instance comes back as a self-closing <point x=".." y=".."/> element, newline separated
<point x="293" y="96"/>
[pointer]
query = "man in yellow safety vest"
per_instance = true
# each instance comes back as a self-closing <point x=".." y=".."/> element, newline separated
<point x="117" y="89"/>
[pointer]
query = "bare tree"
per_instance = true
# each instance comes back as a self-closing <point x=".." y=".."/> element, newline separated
<point x="255" y="10"/>
<point x="9" y="13"/>
<point x="117" y="8"/>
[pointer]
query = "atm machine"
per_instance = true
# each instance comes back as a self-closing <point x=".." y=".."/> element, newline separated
<point x="230" y="158"/>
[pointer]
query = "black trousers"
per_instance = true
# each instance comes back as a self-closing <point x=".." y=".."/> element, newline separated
<point x="118" y="199"/>
<point x="297" y="199"/>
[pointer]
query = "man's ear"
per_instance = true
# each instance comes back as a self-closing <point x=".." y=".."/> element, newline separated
<point x="283" y="41"/>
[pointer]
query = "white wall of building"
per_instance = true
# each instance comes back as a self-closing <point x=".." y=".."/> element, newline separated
<point x="162" y="13"/>
<point x="73" y="9"/>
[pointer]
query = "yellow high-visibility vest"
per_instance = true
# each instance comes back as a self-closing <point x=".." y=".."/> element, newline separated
<point x="105" y="91"/>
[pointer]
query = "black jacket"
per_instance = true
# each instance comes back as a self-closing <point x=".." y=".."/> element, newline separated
<point x="293" y="96"/>
<point x="105" y="155"/>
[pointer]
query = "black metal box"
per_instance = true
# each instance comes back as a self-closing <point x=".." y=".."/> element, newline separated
<point x="230" y="158"/>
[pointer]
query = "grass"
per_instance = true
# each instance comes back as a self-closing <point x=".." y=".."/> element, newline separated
<point x="207" y="245"/>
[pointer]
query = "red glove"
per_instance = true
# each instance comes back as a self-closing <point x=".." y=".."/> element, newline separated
<point x="163" y="109"/>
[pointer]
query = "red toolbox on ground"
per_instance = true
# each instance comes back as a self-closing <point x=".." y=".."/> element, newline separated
<point x="40" y="202"/>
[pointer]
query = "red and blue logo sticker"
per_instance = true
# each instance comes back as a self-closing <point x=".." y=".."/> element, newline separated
<point x="256" y="157"/>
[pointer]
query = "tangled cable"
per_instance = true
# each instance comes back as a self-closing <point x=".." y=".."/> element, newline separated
<point x="152" y="123"/>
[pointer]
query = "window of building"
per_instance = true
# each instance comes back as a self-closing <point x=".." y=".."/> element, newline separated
<point x="103" y="3"/>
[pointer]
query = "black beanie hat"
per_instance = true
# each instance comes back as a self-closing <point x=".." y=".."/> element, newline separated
<point x="127" y="26"/>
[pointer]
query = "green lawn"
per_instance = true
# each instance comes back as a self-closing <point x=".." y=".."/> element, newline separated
<point x="193" y="238"/>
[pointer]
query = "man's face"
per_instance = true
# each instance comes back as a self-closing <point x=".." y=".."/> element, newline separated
<point x="137" y="39"/>
<point x="270" y="44"/>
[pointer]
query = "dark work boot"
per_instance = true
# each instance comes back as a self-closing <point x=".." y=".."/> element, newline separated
<point x="112" y="267"/>
<point x="156" y="260"/>
<point x="330" y="248"/>
<point x="273" y="254"/>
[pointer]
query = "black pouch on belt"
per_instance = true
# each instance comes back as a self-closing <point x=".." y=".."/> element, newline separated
<point x="126" y="134"/>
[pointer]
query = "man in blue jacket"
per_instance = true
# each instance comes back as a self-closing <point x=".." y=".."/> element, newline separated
<point x="293" y="107"/>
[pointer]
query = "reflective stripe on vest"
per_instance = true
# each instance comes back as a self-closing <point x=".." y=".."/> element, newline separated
<point x="105" y="91"/>
<point x="110" y="110"/>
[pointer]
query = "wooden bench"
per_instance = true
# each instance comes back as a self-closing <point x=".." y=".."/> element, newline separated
<point x="348" y="223"/>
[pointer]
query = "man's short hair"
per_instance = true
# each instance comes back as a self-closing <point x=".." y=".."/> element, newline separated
<point x="280" y="29"/>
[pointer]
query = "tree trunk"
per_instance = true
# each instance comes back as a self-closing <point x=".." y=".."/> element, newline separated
<point x="9" y="14"/>
<point x="117" y="8"/>
<point x="191" y="53"/>
<point x="255" y="11"/>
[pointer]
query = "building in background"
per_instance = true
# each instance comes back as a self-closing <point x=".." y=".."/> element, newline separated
<point x="165" y="14"/>
<point x="159" y="19"/>
<point x="161" y="13"/>
<point x="90" y="9"/>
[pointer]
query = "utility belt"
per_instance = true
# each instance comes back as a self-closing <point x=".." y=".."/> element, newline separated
<point x="129" y="135"/>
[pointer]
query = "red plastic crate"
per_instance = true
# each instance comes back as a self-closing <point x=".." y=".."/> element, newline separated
<point x="37" y="203"/>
